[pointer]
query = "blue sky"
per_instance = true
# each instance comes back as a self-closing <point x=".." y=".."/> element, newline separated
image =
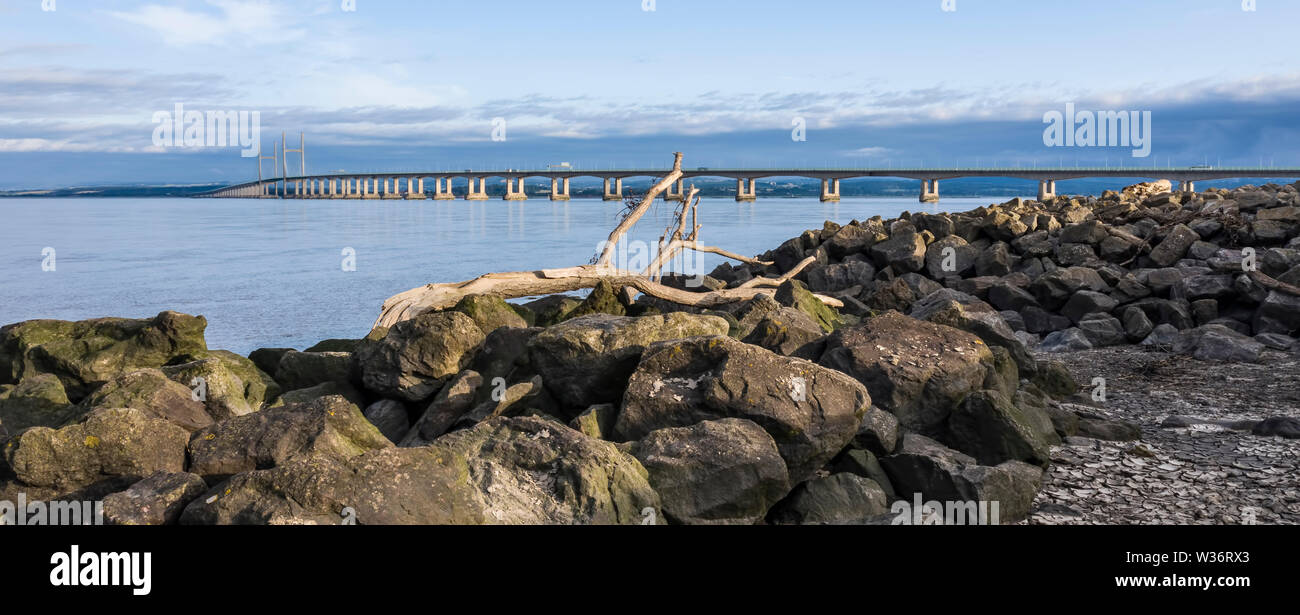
<point x="416" y="84"/>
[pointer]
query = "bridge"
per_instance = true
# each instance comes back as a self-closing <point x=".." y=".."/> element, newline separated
<point x="411" y="185"/>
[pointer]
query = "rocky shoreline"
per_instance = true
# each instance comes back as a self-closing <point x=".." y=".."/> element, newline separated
<point x="1123" y="359"/>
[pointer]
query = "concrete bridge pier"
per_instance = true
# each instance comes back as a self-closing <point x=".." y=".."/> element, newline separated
<point x="744" y="195"/>
<point x="478" y="193"/>
<point x="1046" y="190"/>
<point x="515" y="189"/>
<point x="1187" y="186"/>
<point x="676" y="191"/>
<point x="415" y="189"/>
<point x="395" y="192"/>
<point x="439" y="194"/>
<point x="830" y="190"/>
<point x="929" y="191"/>
<point x="370" y="188"/>
<point x="559" y="188"/>
<point x="617" y="194"/>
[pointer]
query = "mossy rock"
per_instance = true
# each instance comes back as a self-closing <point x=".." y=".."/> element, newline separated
<point x="334" y="345"/>
<point x="794" y="294"/>
<point x="528" y="315"/>
<point x="602" y="300"/>
<point x="490" y="313"/>
<point x="1054" y="379"/>
<point x="551" y="310"/>
<point x="38" y="401"/>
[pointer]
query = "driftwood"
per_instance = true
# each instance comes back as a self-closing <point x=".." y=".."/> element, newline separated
<point x="676" y="238"/>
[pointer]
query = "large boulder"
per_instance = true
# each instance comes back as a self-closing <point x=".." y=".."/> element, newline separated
<point x="794" y="294"/>
<point x="229" y="385"/>
<point x="727" y="471"/>
<point x="152" y="392"/>
<point x="950" y="257"/>
<point x="961" y="311"/>
<point x="916" y="370"/>
<point x="39" y="400"/>
<point x="325" y="427"/>
<point x="86" y="354"/>
<point x="452" y="402"/>
<point x="107" y="451"/>
<point x="836" y="499"/>
<point x="926" y="470"/>
<point x="1175" y="245"/>
<point x="587" y="360"/>
<point x="504" y="471"/>
<point x="303" y="370"/>
<point x="904" y="252"/>
<point x="992" y="429"/>
<point x="1219" y="343"/>
<point x="417" y="356"/>
<point x="811" y="412"/>
<point x="157" y="500"/>
<point x="489" y="313"/>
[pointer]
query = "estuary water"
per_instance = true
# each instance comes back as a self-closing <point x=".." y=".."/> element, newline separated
<point x="286" y="273"/>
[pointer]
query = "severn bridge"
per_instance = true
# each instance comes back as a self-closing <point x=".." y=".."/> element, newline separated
<point x="412" y="185"/>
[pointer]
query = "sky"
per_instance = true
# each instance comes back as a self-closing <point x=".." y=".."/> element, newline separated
<point x="381" y="85"/>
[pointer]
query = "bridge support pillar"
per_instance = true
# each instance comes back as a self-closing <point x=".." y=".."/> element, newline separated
<point x="676" y="191"/>
<point x="415" y="189"/>
<point x="1046" y="190"/>
<point x="559" y="188"/>
<point x="1187" y="186"/>
<point x="477" y="189"/>
<point x="929" y="191"/>
<point x="744" y="195"/>
<point x="617" y="194"/>
<point x="515" y="189"/>
<point x="395" y="191"/>
<point x="439" y="194"/>
<point x="370" y="188"/>
<point x="830" y="190"/>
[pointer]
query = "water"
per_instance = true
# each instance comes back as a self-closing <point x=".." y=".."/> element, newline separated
<point x="268" y="273"/>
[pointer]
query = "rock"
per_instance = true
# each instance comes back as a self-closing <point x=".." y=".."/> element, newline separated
<point x="789" y="332"/>
<point x="325" y="427"/>
<point x="924" y="466"/>
<point x="153" y="393"/>
<point x="1087" y="302"/>
<point x="489" y="313"/>
<point x="850" y="239"/>
<point x="1053" y="379"/>
<point x="596" y="421"/>
<point x="513" y="401"/>
<point x="452" y="402"/>
<point x="995" y="260"/>
<point x="865" y="464"/>
<point x="390" y="418"/>
<point x="1197" y="287"/>
<point x="961" y="311"/>
<point x="86" y="354"/>
<point x="952" y="251"/>
<point x="38" y="401"/>
<point x="1011" y="486"/>
<point x="505" y="471"/>
<point x="836" y="499"/>
<point x="1276" y="341"/>
<point x="1069" y="340"/>
<point x="1007" y="297"/>
<point x="1136" y="324"/>
<point x="904" y="253"/>
<point x="917" y="371"/>
<point x="268" y="359"/>
<point x="990" y="428"/>
<point x="894" y="295"/>
<point x="794" y="294"/>
<point x="157" y="500"/>
<point x="1283" y="426"/>
<point x="230" y="385"/>
<point x="1162" y="335"/>
<point x="1278" y="313"/>
<point x="726" y="471"/>
<point x="1065" y="422"/>
<point x="1090" y="232"/>
<point x="417" y="356"/>
<point x="504" y="354"/>
<point x="587" y="360"/>
<point x="1102" y="330"/>
<point x="839" y="276"/>
<point x="324" y="389"/>
<point x="811" y="412"/>
<point x="603" y="299"/>
<point x="552" y="309"/>
<point x="107" y="451"/>
<point x="1174" y="246"/>
<point x="1054" y="288"/>
<point x="303" y="370"/>
<point x="1219" y="343"/>
<point x="878" y="432"/>
<point x="1104" y="429"/>
<point x="335" y="345"/>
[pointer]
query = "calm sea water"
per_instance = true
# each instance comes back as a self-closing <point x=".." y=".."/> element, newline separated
<point x="270" y="273"/>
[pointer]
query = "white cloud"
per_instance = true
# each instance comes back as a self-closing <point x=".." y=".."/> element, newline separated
<point x="234" y="21"/>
